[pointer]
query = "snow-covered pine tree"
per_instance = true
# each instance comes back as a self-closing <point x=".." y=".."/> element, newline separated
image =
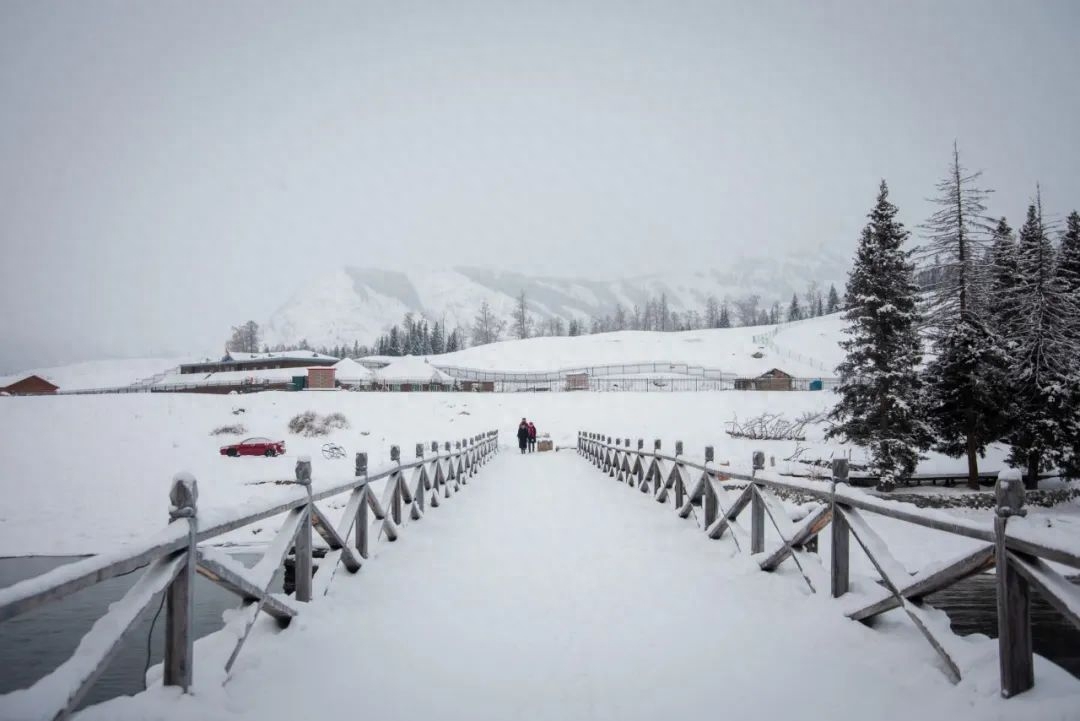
<point x="438" y="338"/>
<point x="725" y="317"/>
<point x="965" y="385"/>
<point x="834" y="300"/>
<point x="880" y="387"/>
<point x="794" y="312"/>
<point x="1043" y="352"/>
<point x="956" y="238"/>
<point x="1004" y="275"/>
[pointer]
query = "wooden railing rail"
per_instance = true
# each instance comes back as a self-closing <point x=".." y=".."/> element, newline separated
<point x="173" y="557"/>
<point x="1020" y="551"/>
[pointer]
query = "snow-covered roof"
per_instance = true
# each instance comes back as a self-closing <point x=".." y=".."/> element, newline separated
<point x="412" y="369"/>
<point x="349" y="370"/>
<point x="277" y="355"/>
<point x="11" y="380"/>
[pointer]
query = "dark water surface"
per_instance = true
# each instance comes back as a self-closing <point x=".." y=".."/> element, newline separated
<point x="35" y="643"/>
<point x="972" y="608"/>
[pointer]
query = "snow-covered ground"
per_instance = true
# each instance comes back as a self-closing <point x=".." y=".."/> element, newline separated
<point x="731" y="350"/>
<point x="81" y="473"/>
<point x="544" y="590"/>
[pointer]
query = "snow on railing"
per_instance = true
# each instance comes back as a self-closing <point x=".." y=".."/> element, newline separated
<point x="1020" y="551"/>
<point x="173" y="557"/>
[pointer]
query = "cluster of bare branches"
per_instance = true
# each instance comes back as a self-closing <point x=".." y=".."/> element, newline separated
<point x="769" y="427"/>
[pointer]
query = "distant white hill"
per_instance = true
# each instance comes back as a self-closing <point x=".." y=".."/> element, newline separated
<point x="808" y="348"/>
<point x="350" y="304"/>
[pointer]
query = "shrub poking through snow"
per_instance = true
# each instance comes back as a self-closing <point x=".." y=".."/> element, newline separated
<point x="233" y="430"/>
<point x="310" y="423"/>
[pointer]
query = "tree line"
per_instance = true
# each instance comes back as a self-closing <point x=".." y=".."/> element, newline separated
<point x="998" y="315"/>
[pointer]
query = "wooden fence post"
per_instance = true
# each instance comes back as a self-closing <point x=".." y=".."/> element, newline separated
<point x="757" y="508"/>
<point x="180" y="593"/>
<point x="395" y="495"/>
<point x="303" y="571"/>
<point x="1013" y="594"/>
<point x="841" y="535"/>
<point x="712" y="503"/>
<point x="680" y="492"/>
<point x="361" y="530"/>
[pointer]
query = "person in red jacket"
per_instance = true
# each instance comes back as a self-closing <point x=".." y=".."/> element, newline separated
<point x="532" y="437"/>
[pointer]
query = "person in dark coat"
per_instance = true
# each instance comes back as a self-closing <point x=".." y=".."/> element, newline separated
<point x="532" y="437"/>
<point x="523" y="435"/>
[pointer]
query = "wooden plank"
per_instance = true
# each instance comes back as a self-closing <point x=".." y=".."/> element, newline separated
<point x="757" y="520"/>
<point x="716" y="530"/>
<point x="361" y="523"/>
<point x="262" y="574"/>
<point x="303" y="568"/>
<point x="223" y="572"/>
<point x="1058" y="591"/>
<point x="336" y="541"/>
<point x="810" y="527"/>
<point x="784" y="538"/>
<point x="55" y="696"/>
<point x="712" y="506"/>
<point x="71" y="577"/>
<point x="888" y="568"/>
<point x="901" y="512"/>
<point x="931" y="580"/>
<point x="839" y="554"/>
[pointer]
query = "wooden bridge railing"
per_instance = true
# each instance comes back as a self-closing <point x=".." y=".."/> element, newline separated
<point x="173" y="556"/>
<point x="1021" y="552"/>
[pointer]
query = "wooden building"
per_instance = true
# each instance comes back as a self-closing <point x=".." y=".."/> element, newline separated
<point x="28" y="385"/>
<point x="771" y="380"/>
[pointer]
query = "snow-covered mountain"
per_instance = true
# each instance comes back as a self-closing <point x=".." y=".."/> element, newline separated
<point x="351" y="304"/>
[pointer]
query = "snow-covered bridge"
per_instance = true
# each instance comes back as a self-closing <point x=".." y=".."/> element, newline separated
<point x="544" y="590"/>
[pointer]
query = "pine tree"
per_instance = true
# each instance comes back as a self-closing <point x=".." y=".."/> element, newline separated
<point x="523" y="322"/>
<point x="395" y="345"/>
<point x="794" y="312"/>
<point x="438" y="341"/>
<point x="880" y="388"/>
<point x="1068" y="265"/>
<point x="1004" y="274"/>
<point x="969" y="362"/>
<point x="1042" y="377"/>
<point x="725" y="317"/>
<point x="955" y="238"/>
<point x="834" y="300"/>
<point x="453" y="342"/>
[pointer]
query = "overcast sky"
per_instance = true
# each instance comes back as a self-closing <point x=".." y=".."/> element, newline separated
<point x="168" y="169"/>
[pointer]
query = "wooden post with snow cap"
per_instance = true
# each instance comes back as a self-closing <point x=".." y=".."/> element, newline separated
<point x="841" y="536"/>
<point x="395" y="495"/>
<point x="614" y="466"/>
<point x="303" y="570"/>
<point x="417" y="510"/>
<point x="712" y="503"/>
<point x="1013" y="593"/>
<point x="680" y="491"/>
<point x="362" y="510"/>
<point x="757" y="508"/>
<point x="180" y="593"/>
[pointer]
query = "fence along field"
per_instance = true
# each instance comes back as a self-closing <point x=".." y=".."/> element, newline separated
<point x="173" y="556"/>
<point x="1019" y="556"/>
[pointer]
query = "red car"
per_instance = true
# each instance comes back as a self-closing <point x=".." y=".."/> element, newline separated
<point x="255" y="447"/>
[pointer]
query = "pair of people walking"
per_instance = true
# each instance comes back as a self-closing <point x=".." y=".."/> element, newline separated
<point x="526" y="435"/>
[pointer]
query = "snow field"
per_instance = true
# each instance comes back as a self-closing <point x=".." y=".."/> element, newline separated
<point x="545" y="590"/>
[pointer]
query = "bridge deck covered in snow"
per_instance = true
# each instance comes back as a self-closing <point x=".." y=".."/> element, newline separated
<point x="545" y="591"/>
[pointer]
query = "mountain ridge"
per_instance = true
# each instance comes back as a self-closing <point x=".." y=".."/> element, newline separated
<point x="350" y="304"/>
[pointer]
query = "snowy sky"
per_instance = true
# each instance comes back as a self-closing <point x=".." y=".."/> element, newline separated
<point x="170" y="168"/>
